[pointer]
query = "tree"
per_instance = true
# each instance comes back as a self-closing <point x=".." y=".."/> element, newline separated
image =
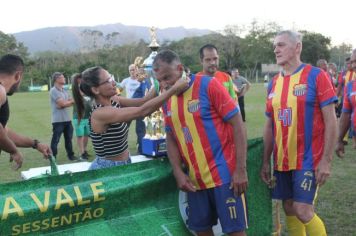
<point x="315" y="46"/>
<point x="110" y="40"/>
<point x="91" y="40"/>
<point x="230" y="46"/>
<point x="256" y="47"/>
<point x="339" y="53"/>
<point x="8" y="44"/>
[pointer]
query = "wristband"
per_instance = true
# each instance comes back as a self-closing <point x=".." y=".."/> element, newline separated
<point x="35" y="144"/>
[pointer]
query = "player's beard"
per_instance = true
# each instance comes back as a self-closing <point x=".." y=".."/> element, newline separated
<point x="13" y="88"/>
<point x="212" y="69"/>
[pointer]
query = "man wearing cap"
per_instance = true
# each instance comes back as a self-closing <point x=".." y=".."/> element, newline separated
<point x="61" y="121"/>
<point x="11" y="73"/>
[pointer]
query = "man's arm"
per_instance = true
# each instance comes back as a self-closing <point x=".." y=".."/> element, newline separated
<point x="6" y="143"/>
<point x="267" y="152"/>
<point x="247" y="87"/>
<point x="9" y="146"/>
<point x="338" y="90"/>
<point x="239" y="179"/>
<point x="136" y="102"/>
<point x="339" y="85"/>
<point x="344" y="124"/>
<point x="19" y="140"/>
<point x="62" y="103"/>
<point x="26" y="142"/>
<point x="330" y="134"/>
<point x="183" y="181"/>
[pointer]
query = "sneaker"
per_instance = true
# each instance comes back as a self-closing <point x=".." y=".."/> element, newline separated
<point x="84" y="156"/>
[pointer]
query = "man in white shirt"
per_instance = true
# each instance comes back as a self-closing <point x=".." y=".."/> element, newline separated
<point x="130" y="84"/>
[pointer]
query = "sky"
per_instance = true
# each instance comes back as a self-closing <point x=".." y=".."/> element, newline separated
<point x="330" y="18"/>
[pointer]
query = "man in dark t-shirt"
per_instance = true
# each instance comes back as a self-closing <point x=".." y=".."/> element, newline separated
<point x="11" y="72"/>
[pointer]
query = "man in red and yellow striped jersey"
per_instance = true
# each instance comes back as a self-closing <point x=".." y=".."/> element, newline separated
<point x="344" y="77"/>
<point x="209" y="59"/>
<point x="348" y="115"/>
<point x="205" y="130"/>
<point x="301" y="132"/>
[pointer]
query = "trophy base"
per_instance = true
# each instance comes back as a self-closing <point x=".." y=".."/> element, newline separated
<point x="154" y="147"/>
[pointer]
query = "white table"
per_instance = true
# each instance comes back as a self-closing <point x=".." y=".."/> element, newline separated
<point x="70" y="168"/>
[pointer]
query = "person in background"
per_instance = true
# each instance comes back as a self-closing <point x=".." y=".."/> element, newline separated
<point x="344" y="77"/>
<point x="242" y="86"/>
<point x="323" y="64"/>
<point x="11" y="74"/>
<point x="332" y="71"/>
<point x="61" y="121"/>
<point x="209" y="59"/>
<point x="205" y="130"/>
<point x="146" y="82"/>
<point x="300" y="131"/>
<point x="348" y="115"/>
<point x="130" y="84"/>
<point x="81" y="128"/>
<point x="109" y="117"/>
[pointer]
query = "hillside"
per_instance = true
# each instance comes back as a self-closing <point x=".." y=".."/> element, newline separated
<point x="72" y="38"/>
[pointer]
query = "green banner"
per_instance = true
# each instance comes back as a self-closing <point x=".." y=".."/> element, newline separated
<point x="136" y="199"/>
<point x="38" y="88"/>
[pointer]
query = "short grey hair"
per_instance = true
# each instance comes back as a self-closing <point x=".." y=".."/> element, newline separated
<point x="293" y="35"/>
<point x="131" y="65"/>
<point x="56" y="75"/>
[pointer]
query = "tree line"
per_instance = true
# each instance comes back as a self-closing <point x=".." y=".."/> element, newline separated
<point x="243" y="47"/>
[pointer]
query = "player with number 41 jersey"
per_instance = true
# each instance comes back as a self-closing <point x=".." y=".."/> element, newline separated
<point x="294" y="104"/>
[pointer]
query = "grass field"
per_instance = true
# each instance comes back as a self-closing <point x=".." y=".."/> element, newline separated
<point x="31" y="116"/>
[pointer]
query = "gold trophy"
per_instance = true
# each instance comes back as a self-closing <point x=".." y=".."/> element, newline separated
<point x="154" y="120"/>
<point x="148" y="125"/>
<point x="160" y="126"/>
<point x="154" y="44"/>
<point x="154" y="126"/>
<point x="141" y="73"/>
<point x="153" y="143"/>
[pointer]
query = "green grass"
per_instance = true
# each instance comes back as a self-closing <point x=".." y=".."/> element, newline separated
<point x="31" y="116"/>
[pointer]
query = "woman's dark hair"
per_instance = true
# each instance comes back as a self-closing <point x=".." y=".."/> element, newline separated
<point x="78" y="98"/>
<point x="89" y="78"/>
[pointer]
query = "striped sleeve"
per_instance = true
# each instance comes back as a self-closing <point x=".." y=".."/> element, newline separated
<point x="325" y="92"/>
<point x="346" y="107"/>
<point x="221" y="100"/>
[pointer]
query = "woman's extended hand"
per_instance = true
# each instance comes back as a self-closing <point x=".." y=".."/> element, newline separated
<point x="181" y="85"/>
